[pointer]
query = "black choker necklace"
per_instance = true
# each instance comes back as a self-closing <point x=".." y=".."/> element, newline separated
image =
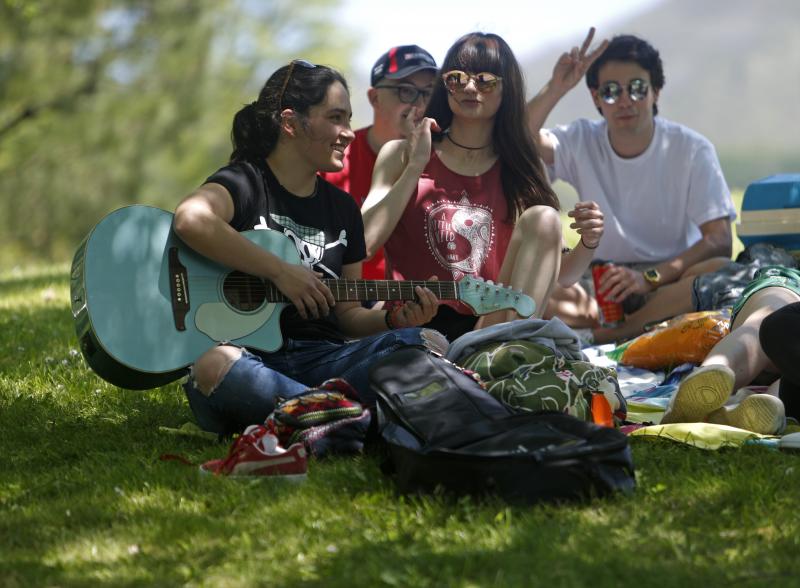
<point x="457" y="144"/>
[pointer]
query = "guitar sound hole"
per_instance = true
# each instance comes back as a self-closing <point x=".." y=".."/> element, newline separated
<point x="244" y="292"/>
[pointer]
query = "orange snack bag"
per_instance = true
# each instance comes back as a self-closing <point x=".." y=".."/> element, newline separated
<point x="685" y="338"/>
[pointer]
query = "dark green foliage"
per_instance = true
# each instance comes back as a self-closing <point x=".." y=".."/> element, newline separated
<point x="111" y="102"/>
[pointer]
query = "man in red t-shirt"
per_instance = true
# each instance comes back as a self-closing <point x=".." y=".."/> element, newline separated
<point x="401" y="84"/>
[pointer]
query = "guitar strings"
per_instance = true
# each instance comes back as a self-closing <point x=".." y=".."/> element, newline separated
<point x="343" y="289"/>
<point x="241" y="288"/>
<point x="362" y="284"/>
<point x="367" y="286"/>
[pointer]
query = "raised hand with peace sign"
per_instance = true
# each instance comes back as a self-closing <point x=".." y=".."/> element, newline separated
<point x="572" y="65"/>
<point x="567" y="72"/>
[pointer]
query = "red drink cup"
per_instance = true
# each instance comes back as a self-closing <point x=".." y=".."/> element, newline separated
<point x="611" y="314"/>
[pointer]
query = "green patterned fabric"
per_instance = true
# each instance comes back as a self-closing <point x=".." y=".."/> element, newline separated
<point x="529" y="376"/>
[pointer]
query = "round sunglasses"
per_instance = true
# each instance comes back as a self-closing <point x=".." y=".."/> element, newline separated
<point x="610" y="92"/>
<point x="457" y="81"/>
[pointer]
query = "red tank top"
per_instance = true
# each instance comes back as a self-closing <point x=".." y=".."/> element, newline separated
<point x="453" y="226"/>
<point x="355" y="179"/>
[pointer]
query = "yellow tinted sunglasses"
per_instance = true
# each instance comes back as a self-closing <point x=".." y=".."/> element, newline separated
<point x="457" y="81"/>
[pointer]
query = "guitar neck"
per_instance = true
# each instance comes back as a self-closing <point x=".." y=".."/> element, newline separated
<point x="482" y="297"/>
<point x="361" y="290"/>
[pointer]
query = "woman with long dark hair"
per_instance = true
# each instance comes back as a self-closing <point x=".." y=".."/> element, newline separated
<point x="299" y="125"/>
<point x="466" y="193"/>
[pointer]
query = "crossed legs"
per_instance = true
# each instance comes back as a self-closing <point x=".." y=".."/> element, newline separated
<point x="732" y="363"/>
<point x="741" y="349"/>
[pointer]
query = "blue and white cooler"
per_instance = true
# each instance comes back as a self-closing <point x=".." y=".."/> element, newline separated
<point x="771" y="212"/>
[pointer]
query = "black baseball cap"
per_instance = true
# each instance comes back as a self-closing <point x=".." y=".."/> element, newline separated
<point x="399" y="62"/>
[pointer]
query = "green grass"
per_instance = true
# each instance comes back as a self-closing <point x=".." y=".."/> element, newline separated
<point x="85" y="500"/>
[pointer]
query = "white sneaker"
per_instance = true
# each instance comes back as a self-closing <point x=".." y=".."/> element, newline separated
<point x="699" y="394"/>
<point x="759" y="413"/>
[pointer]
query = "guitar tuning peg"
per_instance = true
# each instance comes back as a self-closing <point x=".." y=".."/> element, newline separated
<point x="500" y="284"/>
<point x="490" y="282"/>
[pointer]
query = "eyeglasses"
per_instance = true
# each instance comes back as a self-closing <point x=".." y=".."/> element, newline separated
<point x="610" y="92"/>
<point x="407" y="94"/>
<point x="301" y="63"/>
<point x="457" y="80"/>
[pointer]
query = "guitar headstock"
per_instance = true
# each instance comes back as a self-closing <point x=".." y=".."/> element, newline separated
<point x="485" y="297"/>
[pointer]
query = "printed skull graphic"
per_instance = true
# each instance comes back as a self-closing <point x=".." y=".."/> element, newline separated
<point x="310" y="242"/>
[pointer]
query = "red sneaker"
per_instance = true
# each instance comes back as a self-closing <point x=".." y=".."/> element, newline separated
<point x="257" y="453"/>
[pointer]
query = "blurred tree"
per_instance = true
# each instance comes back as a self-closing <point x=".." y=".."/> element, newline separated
<point x="107" y="103"/>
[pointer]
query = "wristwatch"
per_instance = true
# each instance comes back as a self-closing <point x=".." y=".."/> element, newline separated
<point x="652" y="276"/>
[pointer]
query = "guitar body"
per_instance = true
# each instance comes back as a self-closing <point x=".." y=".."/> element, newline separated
<point x="146" y="306"/>
<point x="123" y="300"/>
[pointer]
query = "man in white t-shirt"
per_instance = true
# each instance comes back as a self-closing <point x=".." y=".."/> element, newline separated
<point x="667" y="208"/>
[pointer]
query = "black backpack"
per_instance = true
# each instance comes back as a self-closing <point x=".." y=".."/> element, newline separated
<point x="444" y="430"/>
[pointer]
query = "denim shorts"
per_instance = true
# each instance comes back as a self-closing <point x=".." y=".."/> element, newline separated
<point x="248" y="392"/>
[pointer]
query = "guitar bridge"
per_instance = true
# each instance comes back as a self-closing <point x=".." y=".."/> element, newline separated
<point x="179" y="289"/>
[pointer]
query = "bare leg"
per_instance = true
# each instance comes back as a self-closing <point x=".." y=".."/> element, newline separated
<point x="741" y="353"/>
<point x="532" y="260"/>
<point x="732" y="363"/>
<point x="573" y="305"/>
<point x="705" y="267"/>
<point x="741" y="350"/>
<point x="213" y="365"/>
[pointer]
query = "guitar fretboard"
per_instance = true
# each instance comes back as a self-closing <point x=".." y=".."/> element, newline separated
<point x="360" y="290"/>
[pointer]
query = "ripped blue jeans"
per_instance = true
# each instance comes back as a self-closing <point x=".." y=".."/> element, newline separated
<point x="248" y="392"/>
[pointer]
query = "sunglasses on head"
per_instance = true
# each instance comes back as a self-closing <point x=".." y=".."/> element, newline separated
<point x="407" y="94"/>
<point x="296" y="62"/>
<point x="457" y="80"/>
<point x="610" y="92"/>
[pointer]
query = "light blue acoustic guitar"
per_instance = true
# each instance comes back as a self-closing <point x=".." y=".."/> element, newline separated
<point x="146" y="306"/>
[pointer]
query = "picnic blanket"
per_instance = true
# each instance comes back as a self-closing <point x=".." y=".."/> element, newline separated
<point x="647" y="394"/>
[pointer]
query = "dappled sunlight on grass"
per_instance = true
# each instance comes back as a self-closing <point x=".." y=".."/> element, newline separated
<point x="29" y="274"/>
<point x="85" y="499"/>
<point x="103" y="549"/>
<point x="31" y="288"/>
